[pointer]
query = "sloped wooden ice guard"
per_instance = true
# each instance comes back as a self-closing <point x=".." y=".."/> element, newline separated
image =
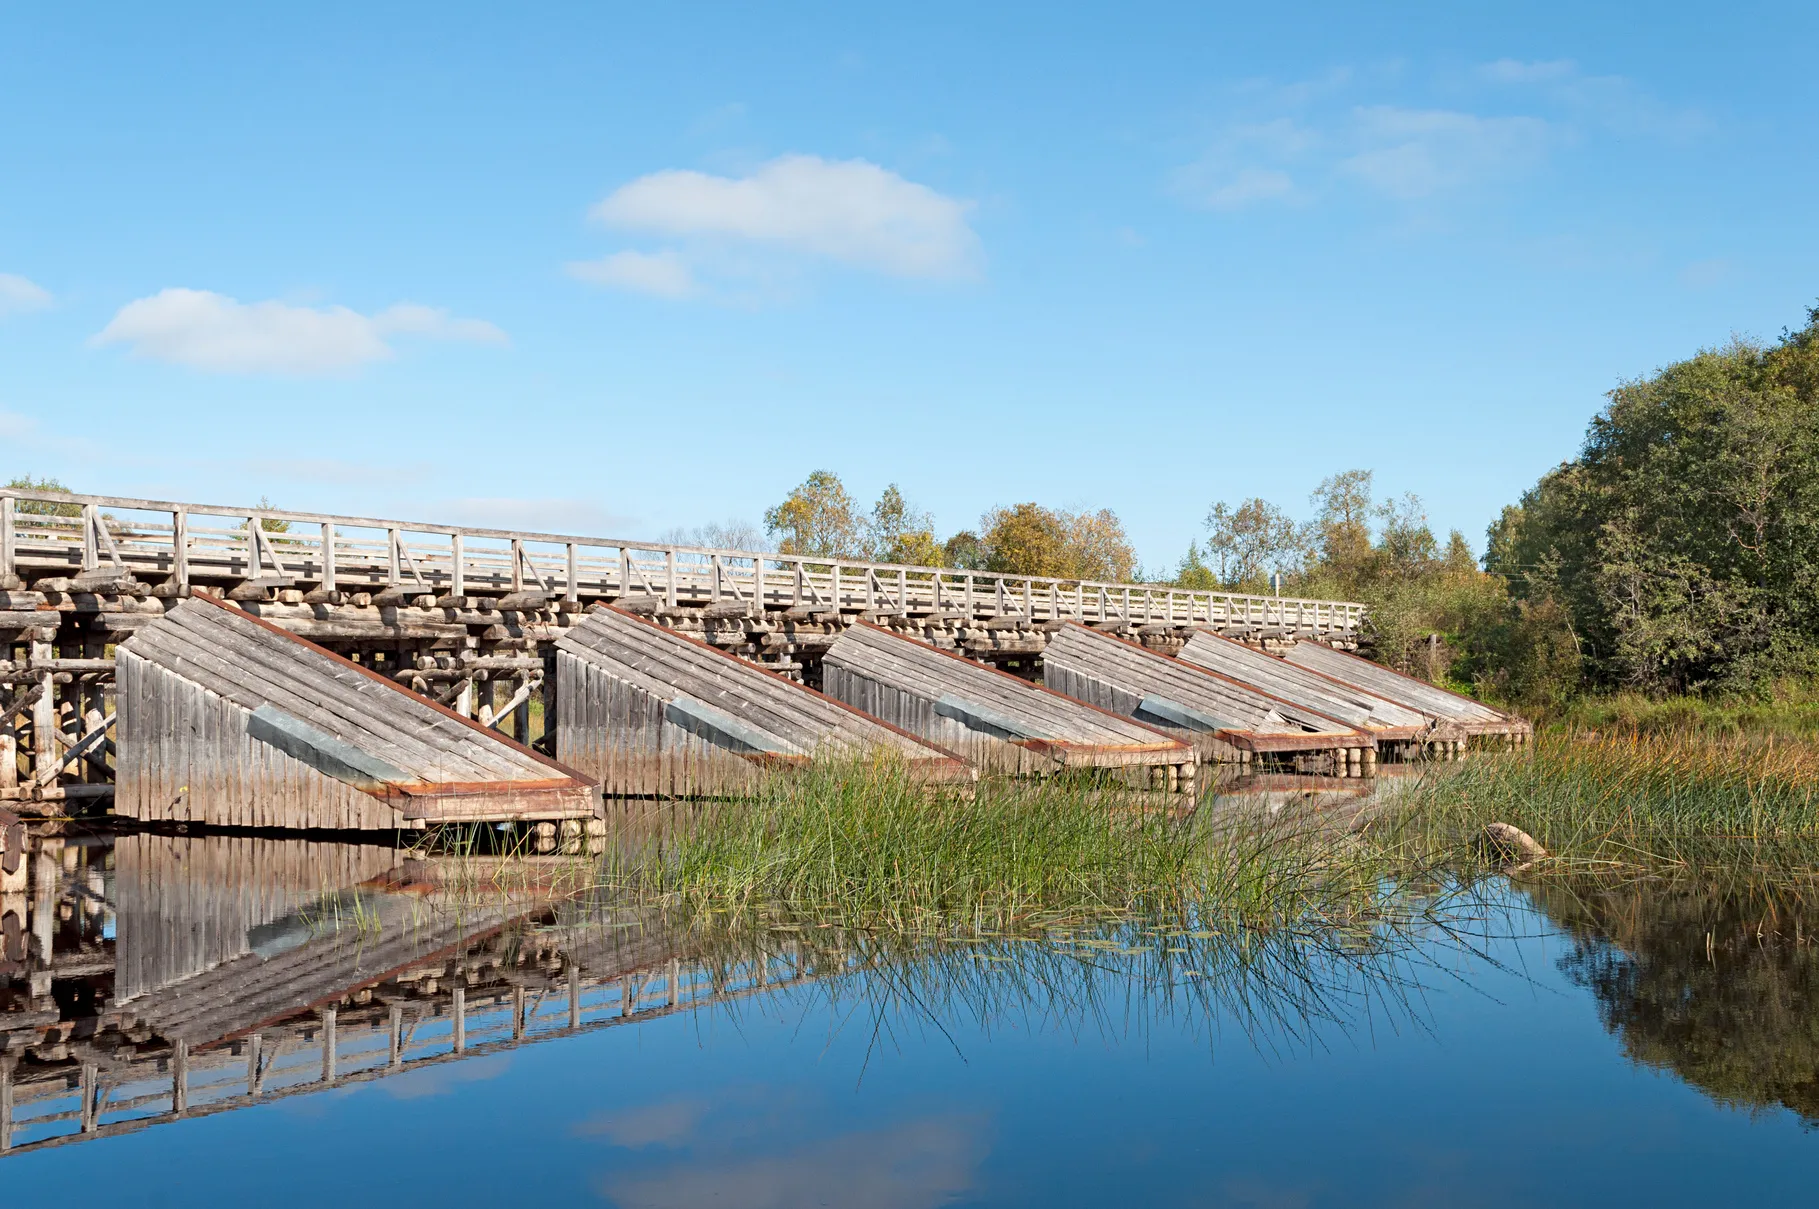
<point x="228" y="720"/>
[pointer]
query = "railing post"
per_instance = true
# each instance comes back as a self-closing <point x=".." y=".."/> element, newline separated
<point x="903" y="589"/>
<point x="574" y="988"/>
<point x="625" y="571"/>
<point x="457" y="582"/>
<point x="713" y="578"/>
<point x="758" y="584"/>
<point x="459" y="1010"/>
<point x="969" y="595"/>
<point x="6" y="1102"/>
<point x="328" y="556"/>
<point x="328" y="1045"/>
<point x="255" y="1058"/>
<point x="573" y="595"/>
<point x="91" y="557"/>
<point x="393" y="572"/>
<point x="180" y="1078"/>
<point x="9" y="554"/>
<point x="836" y="586"/>
<point x="669" y="569"/>
<point x="871" y="596"/>
<point x="180" y="549"/>
<point x="796" y="599"/>
<point x="394" y="1026"/>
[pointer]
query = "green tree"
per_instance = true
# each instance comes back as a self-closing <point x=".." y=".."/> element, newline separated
<point x="1028" y="539"/>
<point x="1246" y="542"/>
<point x="898" y="532"/>
<point x="1683" y="542"/>
<point x="819" y="519"/>
<point x="26" y="482"/>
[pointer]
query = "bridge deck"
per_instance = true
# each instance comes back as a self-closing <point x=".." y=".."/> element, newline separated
<point x="182" y="544"/>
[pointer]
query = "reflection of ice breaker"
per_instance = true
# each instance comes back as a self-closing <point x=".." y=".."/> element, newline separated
<point x="328" y="915"/>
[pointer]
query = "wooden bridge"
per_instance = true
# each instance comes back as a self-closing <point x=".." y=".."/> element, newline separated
<point x="471" y="617"/>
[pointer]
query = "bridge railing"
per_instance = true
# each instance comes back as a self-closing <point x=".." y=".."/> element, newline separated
<point x="50" y="533"/>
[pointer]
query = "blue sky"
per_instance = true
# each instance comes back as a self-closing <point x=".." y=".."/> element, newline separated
<point x="616" y="270"/>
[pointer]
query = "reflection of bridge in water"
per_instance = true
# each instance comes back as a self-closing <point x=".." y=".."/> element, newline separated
<point x="164" y="977"/>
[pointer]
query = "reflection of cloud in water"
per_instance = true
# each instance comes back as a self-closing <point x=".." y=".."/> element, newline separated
<point x="918" y="1163"/>
<point x="440" y="1080"/>
<point x="668" y="1124"/>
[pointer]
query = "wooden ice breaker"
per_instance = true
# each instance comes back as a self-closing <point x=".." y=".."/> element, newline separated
<point x="228" y="720"/>
<point x="650" y="711"/>
<point x="998" y="721"/>
<point x="1223" y="718"/>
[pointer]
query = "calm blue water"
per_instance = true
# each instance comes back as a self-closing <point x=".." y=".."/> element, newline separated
<point x="1500" y="1081"/>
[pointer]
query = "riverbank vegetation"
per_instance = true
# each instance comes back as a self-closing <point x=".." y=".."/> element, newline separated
<point x="868" y="844"/>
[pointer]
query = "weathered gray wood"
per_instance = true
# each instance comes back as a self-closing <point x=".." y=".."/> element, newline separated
<point x="650" y="711"/>
<point x="229" y="721"/>
<point x="1124" y="677"/>
<point x="1472" y="717"/>
<point x="1285" y="680"/>
<point x="995" y="719"/>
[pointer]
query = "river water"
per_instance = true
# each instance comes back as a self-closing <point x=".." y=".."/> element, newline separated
<point x="1568" y="1043"/>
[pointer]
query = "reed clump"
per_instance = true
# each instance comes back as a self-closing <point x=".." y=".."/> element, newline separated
<point x="1627" y="797"/>
<point x="866" y="843"/>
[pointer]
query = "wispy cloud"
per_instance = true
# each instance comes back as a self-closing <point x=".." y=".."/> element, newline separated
<point x="19" y="294"/>
<point x="209" y="331"/>
<point x="1410" y="153"/>
<point x="572" y="516"/>
<point x="1316" y="140"/>
<point x="664" y="274"/>
<point x="803" y="208"/>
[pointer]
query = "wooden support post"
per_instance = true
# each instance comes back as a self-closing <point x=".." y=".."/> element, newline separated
<point x="180" y="1078"/>
<point x="394" y="573"/>
<point x="574" y="995"/>
<point x="836" y="586"/>
<point x="459" y="1009"/>
<point x="457" y="576"/>
<point x="518" y="1013"/>
<point x="44" y="713"/>
<point x="675" y="980"/>
<point x="628" y="996"/>
<point x="517" y="565"/>
<point x="328" y="1045"/>
<point x="573" y="594"/>
<point x="903" y="589"/>
<point x="625" y="571"/>
<point x="758" y="586"/>
<point x="255" y="1063"/>
<point x="669" y="574"/>
<point x="394" y="1024"/>
<point x="969" y="594"/>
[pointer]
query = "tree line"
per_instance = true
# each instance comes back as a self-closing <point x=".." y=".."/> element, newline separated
<point x="1677" y="552"/>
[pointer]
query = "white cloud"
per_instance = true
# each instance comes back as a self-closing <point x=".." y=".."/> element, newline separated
<point x="1249" y="186"/>
<point x="1612" y="103"/>
<point x="1410" y="153"/>
<point x="18" y="295"/>
<point x="210" y="331"/>
<point x="1515" y="71"/>
<point x="574" y="517"/>
<point x="664" y="273"/>
<point x="849" y="211"/>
